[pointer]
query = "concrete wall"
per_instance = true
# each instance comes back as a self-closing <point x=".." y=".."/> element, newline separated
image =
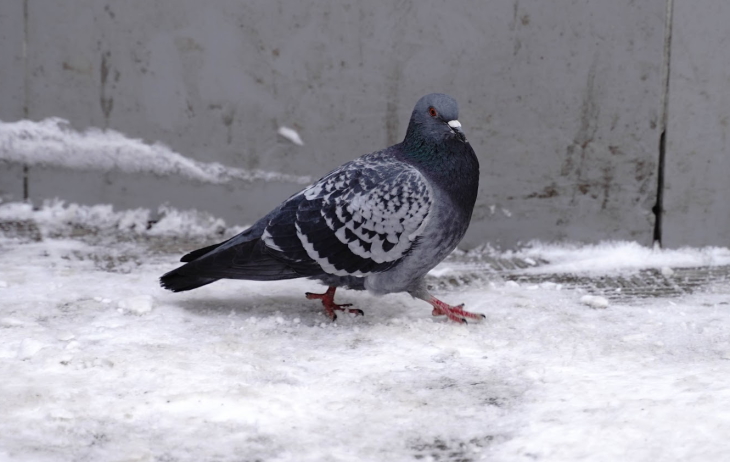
<point x="561" y="100"/>
<point x="12" y="88"/>
<point x="697" y="194"/>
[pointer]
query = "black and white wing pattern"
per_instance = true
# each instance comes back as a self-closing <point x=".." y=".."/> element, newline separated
<point x="362" y="218"/>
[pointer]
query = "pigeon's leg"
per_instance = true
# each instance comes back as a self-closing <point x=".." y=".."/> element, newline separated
<point x="454" y="313"/>
<point x="328" y="301"/>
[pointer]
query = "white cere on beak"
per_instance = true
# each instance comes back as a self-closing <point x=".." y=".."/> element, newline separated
<point x="454" y="124"/>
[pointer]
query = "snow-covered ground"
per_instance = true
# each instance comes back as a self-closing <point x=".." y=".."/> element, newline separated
<point x="97" y="363"/>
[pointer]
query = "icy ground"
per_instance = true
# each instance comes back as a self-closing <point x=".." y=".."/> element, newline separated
<point x="97" y="363"/>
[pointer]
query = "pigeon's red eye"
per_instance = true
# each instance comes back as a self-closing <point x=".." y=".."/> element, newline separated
<point x="432" y="112"/>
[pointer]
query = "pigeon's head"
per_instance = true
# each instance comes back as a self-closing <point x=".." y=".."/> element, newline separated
<point x="436" y="119"/>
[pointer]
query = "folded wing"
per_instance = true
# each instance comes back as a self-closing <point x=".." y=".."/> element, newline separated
<point x="360" y="219"/>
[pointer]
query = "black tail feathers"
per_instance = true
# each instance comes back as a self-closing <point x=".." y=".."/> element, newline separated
<point x="248" y="260"/>
<point x="195" y="254"/>
<point x="177" y="282"/>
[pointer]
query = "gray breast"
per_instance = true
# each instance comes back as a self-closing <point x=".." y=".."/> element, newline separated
<point x="444" y="230"/>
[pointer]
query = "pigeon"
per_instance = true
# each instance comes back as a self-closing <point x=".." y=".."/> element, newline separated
<point x="379" y="223"/>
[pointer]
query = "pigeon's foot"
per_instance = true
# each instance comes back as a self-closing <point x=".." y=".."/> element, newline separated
<point x="454" y="313"/>
<point x="328" y="301"/>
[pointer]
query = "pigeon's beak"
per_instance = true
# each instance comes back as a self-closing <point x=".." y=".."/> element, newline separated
<point x="456" y="128"/>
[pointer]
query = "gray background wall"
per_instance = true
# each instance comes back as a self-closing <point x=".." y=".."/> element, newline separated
<point x="562" y="101"/>
<point x="697" y="194"/>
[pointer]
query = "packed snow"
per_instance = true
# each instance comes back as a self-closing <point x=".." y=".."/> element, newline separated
<point x="99" y="363"/>
<point x="594" y="301"/>
<point x="53" y="142"/>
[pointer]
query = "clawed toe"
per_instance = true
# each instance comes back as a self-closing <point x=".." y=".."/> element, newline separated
<point x="328" y="301"/>
<point x="453" y="313"/>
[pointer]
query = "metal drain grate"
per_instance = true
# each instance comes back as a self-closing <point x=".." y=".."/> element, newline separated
<point x="643" y="284"/>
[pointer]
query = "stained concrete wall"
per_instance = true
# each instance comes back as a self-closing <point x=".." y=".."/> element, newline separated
<point x="12" y="87"/>
<point x="561" y="100"/>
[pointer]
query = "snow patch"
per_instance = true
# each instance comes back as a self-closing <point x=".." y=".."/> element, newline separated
<point x="174" y="222"/>
<point x="11" y="322"/>
<point x="139" y="305"/>
<point x="594" y="301"/>
<point x="65" y="336"/>
<point x="28" y="348"/>
<point x="616" y="256"/>
<point x="291" y="134"/>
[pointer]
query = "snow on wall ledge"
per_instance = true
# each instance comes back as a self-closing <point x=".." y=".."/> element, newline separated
<point x="53" y="143"/>
<point x="57" y="218"/>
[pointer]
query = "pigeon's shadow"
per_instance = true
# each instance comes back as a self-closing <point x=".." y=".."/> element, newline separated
<point x="251" y="305"/>
<point x="288" y="306"/>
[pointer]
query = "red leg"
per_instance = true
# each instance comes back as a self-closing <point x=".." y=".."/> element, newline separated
<point x="328" y="301"/>
<point x="454" y="313"/>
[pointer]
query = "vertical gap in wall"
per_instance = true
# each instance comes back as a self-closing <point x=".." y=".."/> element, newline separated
<point x="26" y="111"/>
<point x="658" y="208"/>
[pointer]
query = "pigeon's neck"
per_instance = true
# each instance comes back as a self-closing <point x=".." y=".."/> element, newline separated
<point x="451" y="165"/>
<point x="446" y="158"/>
